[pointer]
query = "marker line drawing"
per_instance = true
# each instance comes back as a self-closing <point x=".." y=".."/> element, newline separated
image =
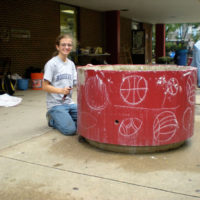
<point x="187" y="118"/>
<point x="172" y="87"/>
<point x="88" y="120"/>
<point x="96" y="93"/>
<point x="142" y="108"/>
<point x="130" y="126"/>
<point x="190" y="89"/>
<point x="165" y="126"/>
<point x="133" y="89"/>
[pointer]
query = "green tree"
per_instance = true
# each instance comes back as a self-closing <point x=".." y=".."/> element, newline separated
<point x="182" y="30"/>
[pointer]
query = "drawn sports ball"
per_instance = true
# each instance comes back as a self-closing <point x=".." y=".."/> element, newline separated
<point x="133" y="89"/>
<point x="188" y="119"/>
<point x="165" y="126"/>
<point x="129" y="127"/>
<point x="96" y="93"/>
<point x="190" y="89"/>
<point x="172" y="86"/>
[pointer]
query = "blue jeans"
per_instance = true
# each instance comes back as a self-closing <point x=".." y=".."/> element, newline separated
<point x="64" y="118"/>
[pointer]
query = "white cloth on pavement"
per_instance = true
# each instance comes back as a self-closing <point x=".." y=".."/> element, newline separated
<point x="7" y="100"/>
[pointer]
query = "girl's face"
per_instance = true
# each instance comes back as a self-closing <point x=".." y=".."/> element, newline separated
<point x="65" y="46"/>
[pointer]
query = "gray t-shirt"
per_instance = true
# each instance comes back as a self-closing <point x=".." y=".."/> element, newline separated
<point x="60" y="74"/>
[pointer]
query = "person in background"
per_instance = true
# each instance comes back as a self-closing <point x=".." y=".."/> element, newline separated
<point x="60" y="77"/>
<point x="190" y="47"/>
<point x="196" y="60"/>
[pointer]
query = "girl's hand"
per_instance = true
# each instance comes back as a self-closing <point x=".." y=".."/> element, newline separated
<point x="66" y="90"/>
<point x="89" y="65"/>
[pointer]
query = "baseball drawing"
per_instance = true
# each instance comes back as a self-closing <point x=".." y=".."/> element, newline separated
<point x="133" y="89"/>
<point x="172" y="86"/>
<point x="165" y="126"/>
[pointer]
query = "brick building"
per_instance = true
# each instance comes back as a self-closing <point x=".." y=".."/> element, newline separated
<point x="28" y="30"/>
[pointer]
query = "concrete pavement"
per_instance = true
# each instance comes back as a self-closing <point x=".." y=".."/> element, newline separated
<point x="39" y="163"/>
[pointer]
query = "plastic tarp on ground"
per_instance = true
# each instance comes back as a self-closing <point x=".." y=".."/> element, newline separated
<point x="7" y="100"/>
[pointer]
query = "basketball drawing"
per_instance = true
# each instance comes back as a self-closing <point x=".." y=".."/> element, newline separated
<point x="129" y="127"/>
<point x="165" y="126"/>
<point x="133" y="89"/>
<point x="190" y="89"/>
<point x="96" y="93"/>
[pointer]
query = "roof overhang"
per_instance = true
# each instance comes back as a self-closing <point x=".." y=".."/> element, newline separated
<point x="147" y="11"/>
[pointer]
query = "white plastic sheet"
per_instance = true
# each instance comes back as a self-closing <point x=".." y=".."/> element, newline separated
<point x="7" y="100"/>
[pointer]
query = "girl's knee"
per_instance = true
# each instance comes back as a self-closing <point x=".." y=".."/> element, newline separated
<point x="68" y="130"/>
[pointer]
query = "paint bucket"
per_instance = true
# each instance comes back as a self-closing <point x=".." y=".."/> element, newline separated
<point x="22" y="84"/>
<point x="181" y="57"/>
<point x="36" y="79"/>
<point x="136" y="108"/>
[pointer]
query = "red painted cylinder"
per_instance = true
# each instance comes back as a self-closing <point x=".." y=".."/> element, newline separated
<point x="136" y="105"/>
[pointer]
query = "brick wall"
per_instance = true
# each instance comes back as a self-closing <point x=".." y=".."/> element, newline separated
<point x="91" y="30"/>
<point x="125" y="40"/>
<point x="41" y="19"/>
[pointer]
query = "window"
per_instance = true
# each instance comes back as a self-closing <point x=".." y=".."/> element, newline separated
<point x="68" y="20"/>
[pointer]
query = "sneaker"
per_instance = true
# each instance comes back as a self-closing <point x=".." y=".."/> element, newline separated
<point x="49" y="120"/>
<point x="81" y="139"/>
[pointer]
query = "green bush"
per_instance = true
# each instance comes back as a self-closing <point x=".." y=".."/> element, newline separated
<point x="164" y="60"/>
